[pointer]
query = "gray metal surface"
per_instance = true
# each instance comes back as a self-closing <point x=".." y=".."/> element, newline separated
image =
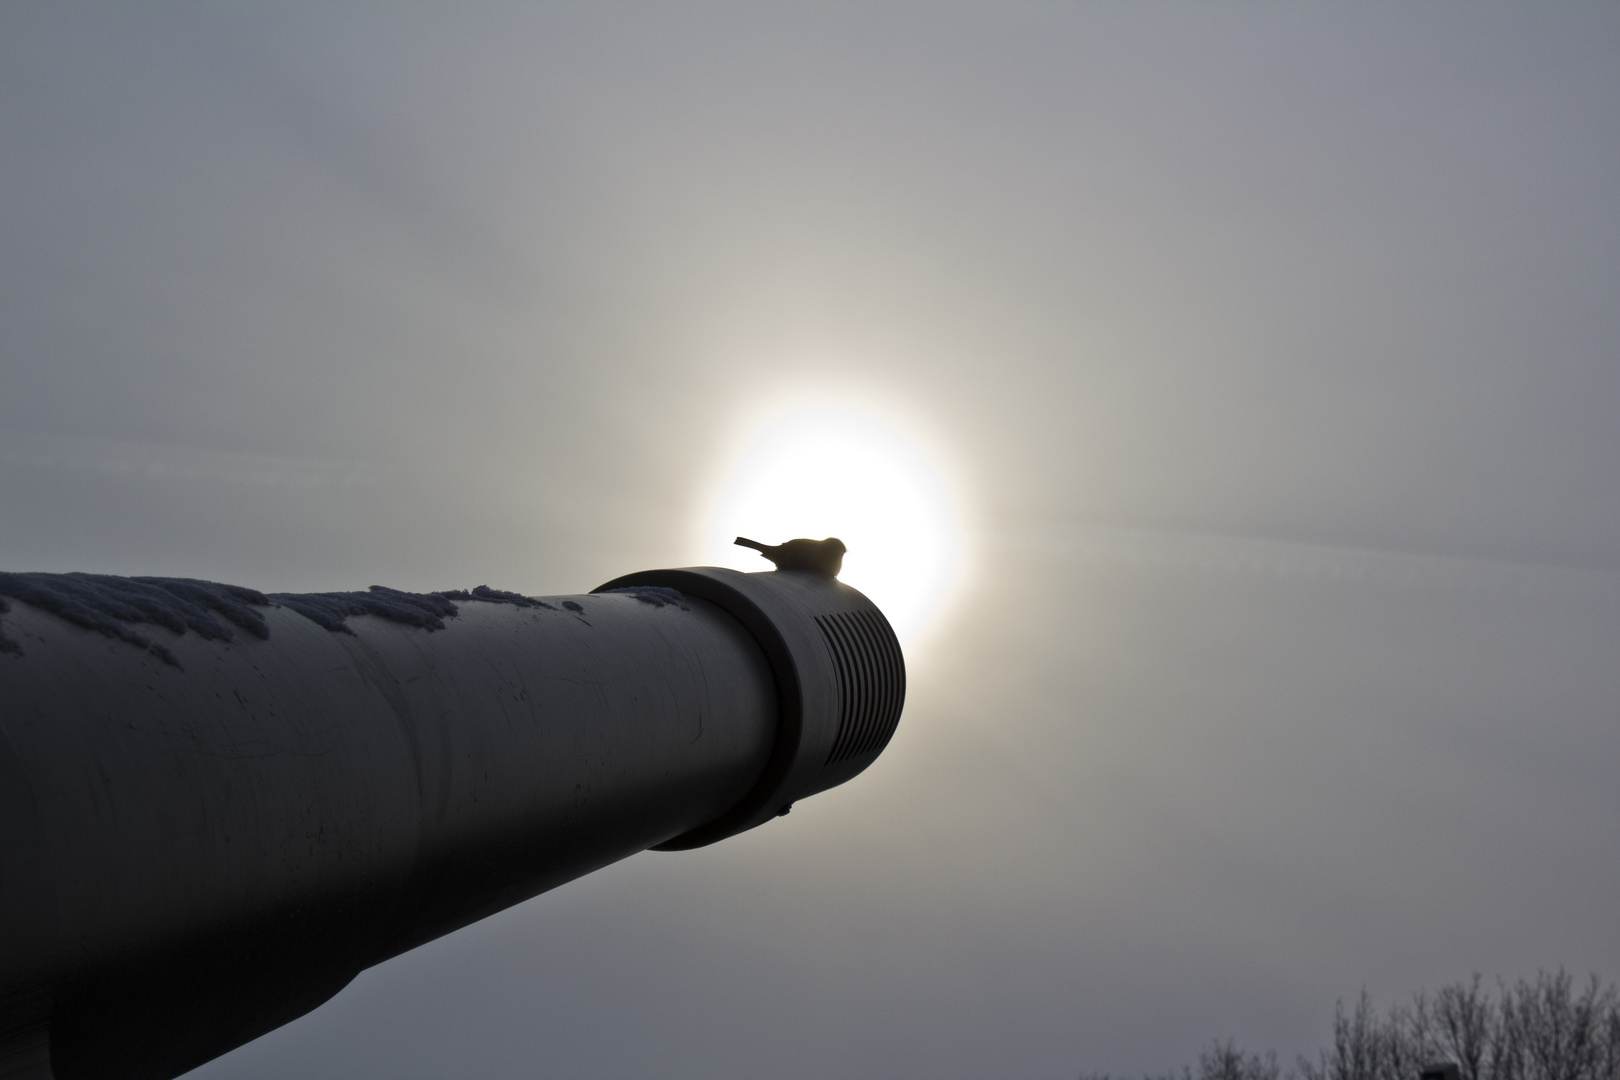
<point x="840" y="680"/>
<point x="195" y="850"/>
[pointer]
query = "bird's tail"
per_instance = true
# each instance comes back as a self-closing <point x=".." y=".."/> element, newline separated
<point x="743" y="541"/>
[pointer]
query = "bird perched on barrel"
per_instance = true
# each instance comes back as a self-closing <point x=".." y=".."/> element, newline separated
<point x="821" y="556"/>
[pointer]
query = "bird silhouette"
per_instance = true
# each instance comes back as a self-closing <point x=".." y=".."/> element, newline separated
<point x="820" y="556"/>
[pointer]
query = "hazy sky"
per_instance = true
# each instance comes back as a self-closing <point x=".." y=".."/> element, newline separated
<point x="1270" y="355"/>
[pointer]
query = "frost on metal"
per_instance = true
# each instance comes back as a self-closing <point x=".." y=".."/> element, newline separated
<point x="329" y="610"/>
<point x="496" y="596"/>
<point x="113" y="606"/>
<point x="656" y="595"/>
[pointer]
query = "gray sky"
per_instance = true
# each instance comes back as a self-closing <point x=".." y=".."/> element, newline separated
<point x="1272" y="350"/>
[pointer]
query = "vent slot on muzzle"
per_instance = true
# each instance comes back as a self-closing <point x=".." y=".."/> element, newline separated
<point x="871" y="681"/>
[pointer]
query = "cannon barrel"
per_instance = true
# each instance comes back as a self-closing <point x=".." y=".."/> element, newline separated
<point x="207" y="829"/>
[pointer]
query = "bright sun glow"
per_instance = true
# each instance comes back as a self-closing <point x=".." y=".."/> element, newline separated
<point x="837" y="472"/>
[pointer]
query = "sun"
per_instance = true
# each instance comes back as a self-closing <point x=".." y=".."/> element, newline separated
<point x="838" y="471"/>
